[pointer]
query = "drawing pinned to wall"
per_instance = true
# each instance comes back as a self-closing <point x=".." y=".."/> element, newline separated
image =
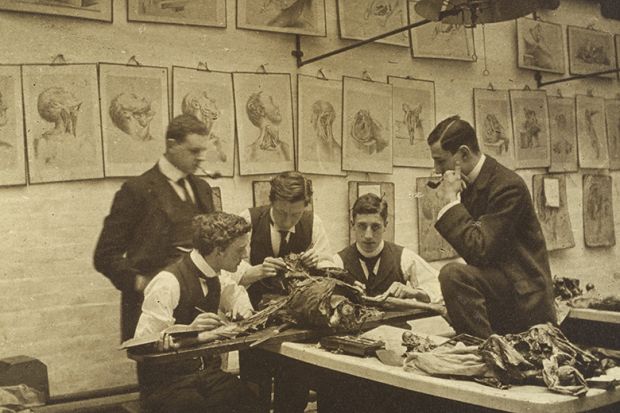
<point x="63" y="130"/>
<point x="362" y="19"/>
<point x="305" y="17"/>
<point x="260" y="193"/>
<point x="12" y="160"/>
<point x="83" y="9"/>
<point x="540" y="46"/>
<point x="612" y="116"/>
<point x="319" y="125"/>
<point x="440" y="41"/>
<point x="598" y="214"/>
<point x="413" y="118"/>
<point x="431" y="245"/>
<point x="530" y="123"/>
<point x="209" y="97"/>
<point x="191" y="12"/>
<point x="494" y="125"/>
<point x="590" y="51"/>
<point x="367" y="126"/>
<point x="554" y="220"/>
<point x="563" y="133"/>
<point x="591" y="133"/>
<point x="134" y="112"/>
<point x="384" y="190"/>
<point x="264" y="114"/>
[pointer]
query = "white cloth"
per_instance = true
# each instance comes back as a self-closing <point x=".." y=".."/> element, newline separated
<point x="471" y="178"/>
<point x="163" y="293"/>
<point x="418" y="272"/>
<point x="174" y="174"/>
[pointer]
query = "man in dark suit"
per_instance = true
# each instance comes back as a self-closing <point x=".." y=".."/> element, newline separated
<point x="490" y="221"/>
<point x="149" y="225"/>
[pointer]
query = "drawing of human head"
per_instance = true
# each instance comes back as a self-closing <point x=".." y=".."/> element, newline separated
<point x="60" y="107"/>
<point x="366" y="132"/>
<point x="133" y="115"/>
<point x="323" y="117"/>
<point x="3" y="109"/>
<point x="202" y="106"/>
<point x="262" y="109"/>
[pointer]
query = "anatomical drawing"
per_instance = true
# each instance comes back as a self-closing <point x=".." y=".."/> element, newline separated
<point x="431" y="245"/>
<point x="530" y="119"/>
<point x="494" y="124"/>
<point x="288" y="16"/>
<point x="323" y="117"/>
<point x="590" y="50"/>
<point x="540" y="45"/>
<point x="366" y="133"/>
<point x="86" y="9"/>
<point x="6" y="147"/>
<point x="563" y="134"/>
<point x="12" y="162"/>
<point x="265" y="114"/>
<point x="195" y="12"/>
<point x="203" y="107"/>
<point x="132" y="114"/>
<point x="361" y="19"/>
<point x="530" y="130"/>
<point x="612" y="114"/>
<point x="494" y="134"/>
<point x="598" y="218"/>
<point x="554" y="220"/>
<point x="591" y="132"/>
<point x="413" y="124"/>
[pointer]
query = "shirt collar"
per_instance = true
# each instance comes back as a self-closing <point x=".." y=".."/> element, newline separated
<point x="202" y="264"/>
<point x="169" y="170"/>
<point x="272" y="222"/>
<point x="373" y="254"/>
<point x="473" y="175"/>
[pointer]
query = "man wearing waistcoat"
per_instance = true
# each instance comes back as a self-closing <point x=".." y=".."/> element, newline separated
<point x="149" y="225"/>
<point x="381" y="266"/>
<point x="191" y="292"/>
<point x="489" y="219"/>
<point x="282" y="227"/>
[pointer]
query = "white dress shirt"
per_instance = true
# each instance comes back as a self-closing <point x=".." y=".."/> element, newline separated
<point x="163" y="293"/>
<point x="174" y="174"/>
<point x="470" y="181"/>
<point x="418" y="273"/>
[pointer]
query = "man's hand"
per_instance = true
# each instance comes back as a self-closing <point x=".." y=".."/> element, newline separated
<point x="451" y="184"/>
<point x="207" y="321"/>
<point x="241" y="313"/>
<point x="140" y="282"/>
<point x="400" y="290"/>
<point x="271" y="266"/>
<point x="167" y="343"/>
<point x="310" y="258"/>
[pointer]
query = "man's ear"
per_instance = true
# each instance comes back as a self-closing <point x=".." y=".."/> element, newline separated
<point x="465" y="152"/>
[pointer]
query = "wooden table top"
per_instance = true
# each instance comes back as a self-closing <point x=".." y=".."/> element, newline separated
<point x="516" y="399"/>
<point x="590" y="314"/>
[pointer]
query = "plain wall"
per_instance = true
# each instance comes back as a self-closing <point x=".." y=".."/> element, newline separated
<point x="56" y="307"/>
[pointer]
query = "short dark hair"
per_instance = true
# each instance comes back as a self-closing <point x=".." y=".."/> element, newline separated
<point x="454" y="132"/>
<point x="370" y="204"/>
<point x="291" y="187"/>
<point x="184" y="125"/>
<point x="218" y="229"/>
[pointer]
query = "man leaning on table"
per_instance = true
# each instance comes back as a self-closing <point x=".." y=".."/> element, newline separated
<point x="191" y="292"/>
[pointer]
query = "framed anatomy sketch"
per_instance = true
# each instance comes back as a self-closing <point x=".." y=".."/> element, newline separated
<point x="440" y="41"/>
<point x="12" y="160"/>
<point x="413" y="112"/>
<point x="261" y="190"/>
<point x="431" y="245"/>
<point x="591" y="133"/>
<point x="590" y="51"/>
<point x="63" y="129"/>
<point x="84" y="9"/>
<point x="189" y="12"/>
<point x="598" y="214"/>
<point x="319" y="120"/>
<point x="540" y="46"/>
<point x="305" y="17"/>
<point x="530" y="124"/>
<point x="134" y="113"/>
<point x="363" y="19"/>
<point x="209" y="97"/>
<point x="383" y="190"/>
<point x="494" y="124"/>
<point x="563" y="134"/>
<point x="549" y="193"/>
<point x="612" y="116"/>
<point x="264" y="113"/>
<point x="367" y="126"/>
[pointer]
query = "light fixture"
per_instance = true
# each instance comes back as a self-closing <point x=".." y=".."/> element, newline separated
<point x="472" y="12"/>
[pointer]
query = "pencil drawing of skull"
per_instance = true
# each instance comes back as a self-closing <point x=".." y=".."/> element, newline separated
<point x="132" y="114"/>
<point x="366" y="133"/>
<point x="60" y="107"/>
<point x="323" y="117"/>
<point x="203" y="107"/>
<point x="414" y="122"/>
<point x="265" y="114"/>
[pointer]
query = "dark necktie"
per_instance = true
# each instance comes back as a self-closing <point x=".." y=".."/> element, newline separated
<point x="211" y="302"/>
<point x="284" y="249"/>
<point x="183" y="183"/>
<point x="370" y="264"/>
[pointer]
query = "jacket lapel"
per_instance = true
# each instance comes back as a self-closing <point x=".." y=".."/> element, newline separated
<point x="202" y="192"/>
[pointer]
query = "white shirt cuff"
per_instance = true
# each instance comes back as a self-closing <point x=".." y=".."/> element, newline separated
<point x="446" y="208"/>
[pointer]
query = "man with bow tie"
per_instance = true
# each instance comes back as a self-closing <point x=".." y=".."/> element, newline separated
<point x="489" y="219"/>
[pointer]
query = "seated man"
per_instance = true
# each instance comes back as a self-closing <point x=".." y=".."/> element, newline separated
<point x="280" y="228"/>
<point x="190" y="292"/>
<point x="382" y="266"/>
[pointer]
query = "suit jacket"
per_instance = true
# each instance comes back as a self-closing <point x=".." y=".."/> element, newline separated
<point x="495" y="226"/>
<point x="138" y="235"/>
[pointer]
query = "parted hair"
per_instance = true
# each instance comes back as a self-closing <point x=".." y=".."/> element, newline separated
<point x="370" y="204"/>
<point x="291" y="187"/>
<point x="217" y="229"/>
<point x="452" y="133"/>
<point x="183" y="125"/>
